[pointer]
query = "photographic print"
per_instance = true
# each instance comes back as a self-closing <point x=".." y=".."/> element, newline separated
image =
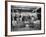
<point x="25" y="18"/>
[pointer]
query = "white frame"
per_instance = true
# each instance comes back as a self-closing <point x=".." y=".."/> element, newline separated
<point x="24" y="32"/>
